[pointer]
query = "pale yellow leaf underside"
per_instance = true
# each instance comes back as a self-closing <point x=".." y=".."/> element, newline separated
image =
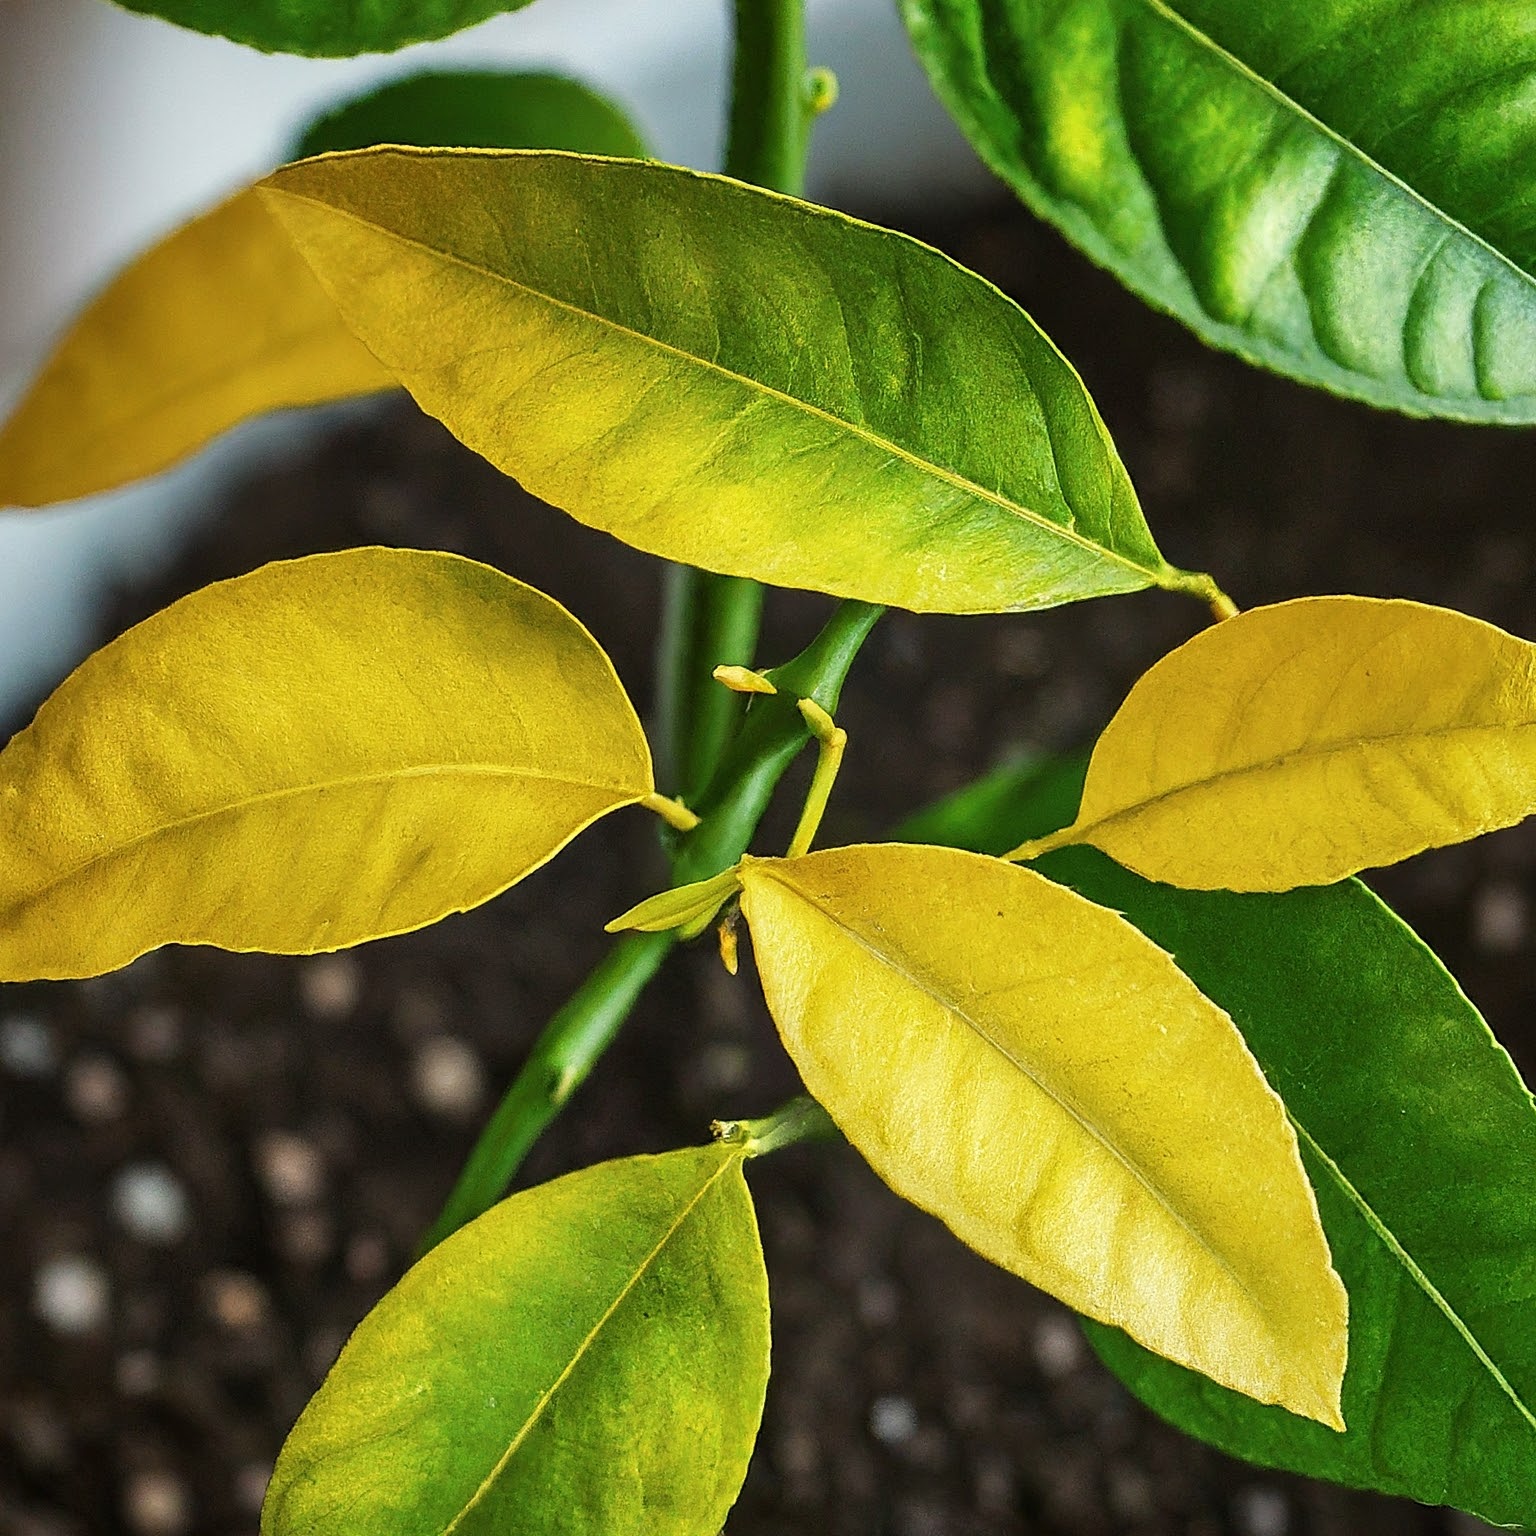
<point x="220" y="321"/>
<point x="1300" y="743"/>
<point x="1037" y="1073"/>
<point x="324" y="751"/>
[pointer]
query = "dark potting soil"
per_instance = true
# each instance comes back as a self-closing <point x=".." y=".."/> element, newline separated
<point x="211" y="1165"/>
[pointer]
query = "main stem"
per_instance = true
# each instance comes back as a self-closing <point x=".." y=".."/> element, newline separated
<point x="710" y="618"/>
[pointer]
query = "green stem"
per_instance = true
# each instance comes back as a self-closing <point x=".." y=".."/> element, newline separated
<point x="708" y="619"/>
<point x="772" y="736"/>
<point x="802" y="1119"/>
<point x="560" y="1060"/>
<point x="581" y="1031"/>
<point x="770" y="130"/>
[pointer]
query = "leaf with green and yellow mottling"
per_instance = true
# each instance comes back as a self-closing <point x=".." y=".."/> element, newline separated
<point x="730" y="378"/>
<point x="589" y="1358"/>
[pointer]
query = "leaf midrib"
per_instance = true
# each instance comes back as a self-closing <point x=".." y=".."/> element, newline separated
<point x="266" y="797"/>
<point x="951" y="1006"/>
<point x="1390" y="1242"/>
<point x="539" y="1408"/>
<point x="1271" y="764"/>
<point x="950" y="477"/>
<point x="1165" y="10"/>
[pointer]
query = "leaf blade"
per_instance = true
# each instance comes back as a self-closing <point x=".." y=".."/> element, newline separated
<point x="730" y="378"/>
<point x="321" y="752"/>
<point x="1421" y="1141"/>
<point x="318" y="29"/>
<point x="220" y="321"/>
<point x="1332" y="191"/>
<point x="999" y="1076"/>
<point x="477" y="108"/>
<point x="624" y="1307"/>
<point x="1299" y="743"/>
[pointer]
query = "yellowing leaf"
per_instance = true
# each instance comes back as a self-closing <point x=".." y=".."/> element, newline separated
<point x="1031" y="1069"/>
<point x="321" y="752"/>
<point x="1297" y="744"/>
<point x="730" y="378"/>
<point x="220" y="321"/>
<point x="587" y="1359"/>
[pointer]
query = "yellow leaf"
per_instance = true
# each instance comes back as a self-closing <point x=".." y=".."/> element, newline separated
<point x="1297" y="744"/>
<point x="220" y="321"/>
<point x="322" y="752"/>
<point x="679" y="907"/>
<point x="1031" y="1069"/>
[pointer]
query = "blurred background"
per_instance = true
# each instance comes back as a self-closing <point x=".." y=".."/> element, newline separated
<point x="211" y="1165"/>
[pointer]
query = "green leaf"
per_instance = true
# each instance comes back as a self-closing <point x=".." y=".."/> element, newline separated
<point x="1028" y="1067"/>
<point x="1420" y="1140"/>
<point x="728" y="377"/>
<point x="220" y="321"/>
<point x="477" y="108"/>
<point x="322" y="752"/>
<point x="325" y="28"/>
<point x="1342" y="190"/>
<point x="589" y="1358"/>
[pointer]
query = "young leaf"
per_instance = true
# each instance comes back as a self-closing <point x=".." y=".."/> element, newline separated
<point x="1338" y="189"/>
<point x="1031" y="1069"/>
<point x="322" y="28"/>
<point x="485" y="108"/>
<point x="728" y="377"/>
<point x="322" y="752"/>
<point x="589" y="1358"/>
<point x="220" y="321"/>
<point x="1296" y="744"/>
<point x="1421" y="1143"/>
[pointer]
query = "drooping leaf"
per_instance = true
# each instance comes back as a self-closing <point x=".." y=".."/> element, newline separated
<point x="728" y="377"/>
<point x="1297" y="744"/>
<point x="589" y="1358"/>
<point x="323" y="28"/>
<point x="1028" y="1067"/>
<point x="221" y="321"/>
<point x="322" y="752"/>
<point x="1339" y="189"/>
<point x="477" y="108"/>
<point x="1421" y="1143"/>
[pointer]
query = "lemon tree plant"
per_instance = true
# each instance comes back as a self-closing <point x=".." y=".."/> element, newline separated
<point x="1136" y="1034"/>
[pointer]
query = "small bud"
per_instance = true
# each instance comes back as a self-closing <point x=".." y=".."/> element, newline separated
<point x="742" y="680"/>
<point x="728" y="956"/>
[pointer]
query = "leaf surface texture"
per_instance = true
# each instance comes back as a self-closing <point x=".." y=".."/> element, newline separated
<point x="1342" y="190"/>
<point x="324" y="28"/>
<point x="324" y="751"/>
<point x="730" y="378"/>
<point x="1028" y="1067"/>
<point x="1299" y="743"/>
<point x="587" y="1359"/>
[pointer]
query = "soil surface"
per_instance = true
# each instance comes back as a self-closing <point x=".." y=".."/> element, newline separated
<point x="211" y="1165"/>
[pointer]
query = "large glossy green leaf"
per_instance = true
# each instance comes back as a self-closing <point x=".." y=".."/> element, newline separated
<point x="1340" y="189"/>
<point x="321" y="752"/>
<point x="728" y="377"/>
<point x="325" y="28"/>
<point x="587" y="1359"/>
<point x="484" y="108"/>
<point x="1420" y="1140"/>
